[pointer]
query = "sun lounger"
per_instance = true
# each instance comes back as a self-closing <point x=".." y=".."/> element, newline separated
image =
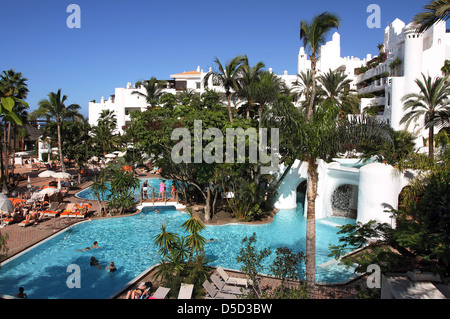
<point x="53" y="210"/>
<point x="223" y="287"/>
<point x="160" y="293"/>
<point x="233" y="280"/>
<point x="25" y="223"/>
<point x="69" y="211"/>
<point x="216" y="294"/>
<point x="185" y="291"/>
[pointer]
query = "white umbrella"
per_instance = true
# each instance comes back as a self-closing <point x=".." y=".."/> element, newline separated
<point x="61" y="175"/>
<point x="110" y="155"/>
<point x="94" y="158"/>
<point x="4" y="188"/>
<point x="49" y="191"/>
<point x="46" y="174"/>
<point x="5" y="204"/>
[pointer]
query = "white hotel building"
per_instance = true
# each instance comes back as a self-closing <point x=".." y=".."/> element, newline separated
<point x="418" y="53"/>
<point x="124" y="101"/>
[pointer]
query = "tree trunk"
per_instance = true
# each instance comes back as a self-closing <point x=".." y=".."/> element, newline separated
<point x="230" y="113"/>
<point x="208" y="204"/>
<point x="431" y="143"/>
<point x="313" y="87"/>
<point x="61" y="158"/>
<point x="311" y="193"/>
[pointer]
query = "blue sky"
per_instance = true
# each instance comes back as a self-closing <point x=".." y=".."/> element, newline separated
<point x="127" y="41"/>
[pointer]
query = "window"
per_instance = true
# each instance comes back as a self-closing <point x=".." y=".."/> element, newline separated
<point x="198" y="85"/>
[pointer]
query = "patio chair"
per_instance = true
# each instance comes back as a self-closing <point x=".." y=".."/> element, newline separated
<point x="216" y="294"/>
<point x="160" y="293"/>
<point x="233" y="280"/>
<point x="185" y="291"/>
<point x="52" y="210"/>
<point x="223" y="287"/>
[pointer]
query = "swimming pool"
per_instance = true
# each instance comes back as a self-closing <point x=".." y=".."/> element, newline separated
<point x="152" y="182"/>
<point x="128" y="241"/>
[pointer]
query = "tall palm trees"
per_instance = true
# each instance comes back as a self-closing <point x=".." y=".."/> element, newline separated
<point x="54" y="107"/>
<point x="313" y="34"/>
<point x="431" y="104"/>
<point x="435" y="11"/>
<point x="227" y="76"/>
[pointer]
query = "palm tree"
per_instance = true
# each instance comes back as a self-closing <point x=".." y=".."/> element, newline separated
<point x="228" y="77"/>
<point x="99" y="188"/>
<point x="265" y="91"/>
<point x="313" y="35"/>
<point x="435" y="11"/>
<point x="302" y="88"/>
<point x="250" y="75"/>
<point x="320" y="137"/>
<point x="153" y="91"/>
<point x="431" y="104"/>
<point x="165" y="241"/>
<point x="336" y="87"/>
<point x="103" y="132"/>
<point x="54" y="108"/>
<point x="13" y="88"/>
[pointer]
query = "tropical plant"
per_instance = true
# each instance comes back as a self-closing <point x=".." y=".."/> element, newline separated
<point x="252" y="263"/>
<point x="313" y="34"/>
<point x="319" y="138"/>
<point x="432" y="105"/>
<point x="265" y="91"/>
<point x="226" y="76"/>
<point x="250" y="75"/>
<point x="153" y="91"/>
<point x="54" y="107"/>
<point x="337" y="91"/>
<point x="104" y="133"/>
<point x="434" y="11"/>
<point x="194" y="240"/>
<point x="13" y="90"/>
<point x="446" y="68"/>
<point x="302" y="89"/>
<point x="99" y="188"/>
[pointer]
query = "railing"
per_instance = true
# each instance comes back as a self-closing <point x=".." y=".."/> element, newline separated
<point x="165" y="198"/>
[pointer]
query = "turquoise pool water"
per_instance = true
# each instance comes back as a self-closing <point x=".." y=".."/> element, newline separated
<point x="152" y="182"/>
<point x="128" y="241"/>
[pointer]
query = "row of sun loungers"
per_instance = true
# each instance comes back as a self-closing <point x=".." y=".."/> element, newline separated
<point x="71" y="210"/>
<point x="225" y="286"/>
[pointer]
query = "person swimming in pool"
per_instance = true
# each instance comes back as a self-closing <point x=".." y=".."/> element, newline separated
<point x="94" y="262"/>
<point x="111" y="267"/>
<point x="95" y="245"/>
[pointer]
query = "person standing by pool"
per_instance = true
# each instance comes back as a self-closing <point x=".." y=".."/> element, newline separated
<point x="145" y="188"/>
<point x="173" y="192"/>
<point x="162" y="189"/>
